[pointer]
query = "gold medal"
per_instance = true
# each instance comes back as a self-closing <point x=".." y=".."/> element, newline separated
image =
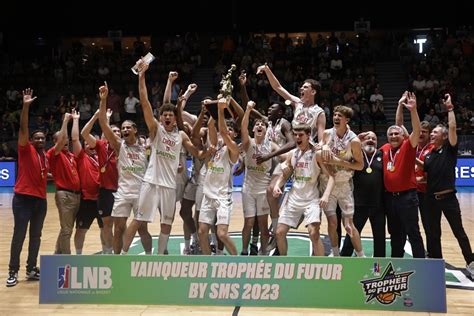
<point x="102" y="169"/>
<point x="368" y="170"/>
<point x="392" y="169"/>
<point x="42" y="175"/>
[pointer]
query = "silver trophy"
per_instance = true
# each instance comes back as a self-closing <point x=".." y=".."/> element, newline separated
<point x="147" y="60"/>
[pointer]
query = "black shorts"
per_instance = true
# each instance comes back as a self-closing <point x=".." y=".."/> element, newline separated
<point x="87" y="212"/>
<point x="105" y="203"/>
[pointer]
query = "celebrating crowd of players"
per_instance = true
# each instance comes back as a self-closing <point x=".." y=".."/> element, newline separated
<point x="107" y="178"/>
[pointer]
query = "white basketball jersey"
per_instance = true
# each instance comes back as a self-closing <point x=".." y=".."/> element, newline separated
<point x="341" y="147"/>
<point x="275" y="134"/>
<point x="308" y="115"/>
<point x="218" y="181"/>
<point x="164" y="160"/>
<point x="305" y="178"/>
<point x="257" y="177"/>
<point x="132" y="164"/>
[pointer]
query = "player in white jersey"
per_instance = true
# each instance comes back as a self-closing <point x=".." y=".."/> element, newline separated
<point x="158" y="190"/>
<point x="131" y="163"/>
<point x="279" y="132"/>
<point x="256" y="180"/>
<point x="305" y="162"/>
<point x="217" y="201"/>
<point x="305" y="109"/>
<point x="342" y="150"/>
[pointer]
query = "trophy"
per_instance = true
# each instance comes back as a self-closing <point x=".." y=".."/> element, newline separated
<point x="147" y="60"/>
<point x="226" y="92"/>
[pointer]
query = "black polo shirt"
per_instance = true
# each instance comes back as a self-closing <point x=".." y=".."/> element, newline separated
<point x="440" y="168"/>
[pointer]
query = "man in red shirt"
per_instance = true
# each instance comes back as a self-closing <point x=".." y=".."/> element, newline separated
<point x="424" y="148"/>
<point x="63" y="166"/>
<point x="88" y="167"/>
<point x="108" y="178"/>
<point x="29" y="202"/>
<point x="400" y="184"/>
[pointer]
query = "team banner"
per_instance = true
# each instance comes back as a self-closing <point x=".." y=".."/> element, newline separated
<point x="323" y="282"/>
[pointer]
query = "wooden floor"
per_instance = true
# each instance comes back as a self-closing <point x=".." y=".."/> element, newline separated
<point x="23" y="298"/>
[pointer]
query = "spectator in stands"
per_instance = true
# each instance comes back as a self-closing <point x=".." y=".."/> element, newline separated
<point x="130" y="107"/>
<point x="7" y="128"/>
<point x="419" y="85"/>
<point x="376" y="96"/>
<point x="432" y="118"/>
<point x="85" y="111"/>
<point x="7" y="153"/>
<point x="378" y="113"/>
<point x="41" y="125"/>
<point x="114" y="102"/>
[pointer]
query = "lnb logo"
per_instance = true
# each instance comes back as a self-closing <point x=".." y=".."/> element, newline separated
<point x="84" y="278"/>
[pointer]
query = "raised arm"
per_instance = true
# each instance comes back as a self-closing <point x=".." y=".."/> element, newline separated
<point x="76" y="142"/>
<point x="399" y="113"/>
<point x="86" y="130"/>
<point x="415" y="119"/>
<point x="276" y="84"/>
<point x="244" y="131"/>
<point x="25" y="110"/>
<point x="150" y="120"/>
<point x="196" y="131"/>
<point x="212" y="132"/>
<point x="179" y="113"/>
<point x="172" y="76"/>
<point x="62" y="137"/>
<point x="114" y="141"/>
<point x="188" y="117"/>
<point x="452" y="136"/>
<point x="238" y="110"/>
<point x="231" y="145"/>
<point x="243" y="88"/>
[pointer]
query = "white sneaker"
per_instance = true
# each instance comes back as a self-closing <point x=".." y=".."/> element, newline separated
<point x="470" y="269"/>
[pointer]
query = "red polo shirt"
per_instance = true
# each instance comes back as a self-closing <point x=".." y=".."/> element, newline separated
<point x="64" y="169"/>
<point x="108" y="160"/>
<point x="421" y="186"/>
<point x="89" y="174"/>
<point x="32" y="171"/>
<point x="403" y="177"/>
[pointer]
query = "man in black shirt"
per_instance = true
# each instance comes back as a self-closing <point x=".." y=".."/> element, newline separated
<point x="368" y="193"/>
<point x="441" y="193"/>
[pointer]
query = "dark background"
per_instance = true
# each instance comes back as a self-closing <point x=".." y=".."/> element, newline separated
<point x="84" y="18"/>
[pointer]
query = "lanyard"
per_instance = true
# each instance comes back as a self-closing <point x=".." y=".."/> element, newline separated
<point x="369" y="163"/>
<point x="42" y="167"/>
<point x="109" y="156"/>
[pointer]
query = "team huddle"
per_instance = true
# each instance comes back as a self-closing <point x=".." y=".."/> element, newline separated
<point x="107" y="178"/>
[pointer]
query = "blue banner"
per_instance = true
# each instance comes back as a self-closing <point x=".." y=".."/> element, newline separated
<point x="7" y="173"/>
<point x="465" y="172"/>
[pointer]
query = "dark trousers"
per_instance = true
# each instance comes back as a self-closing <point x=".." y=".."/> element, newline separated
<point x="32" y="210"/>
<point x="402" y="219"/>
<point x="425" y="220"/>
<point x="449" y="205"/>
<point x="376" y="216"/>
